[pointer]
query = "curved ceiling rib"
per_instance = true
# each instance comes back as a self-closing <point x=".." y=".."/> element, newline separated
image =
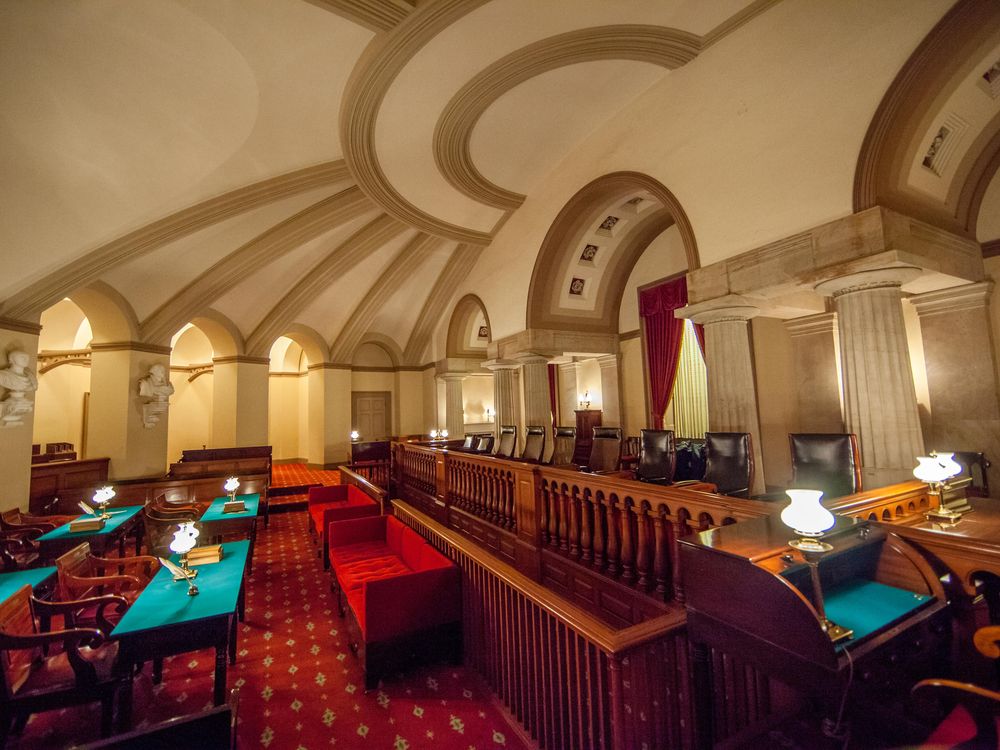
<point x="363" y="96"/>
<point x="669" y="48"/>
<point x="459" y="265"/>
<point x="48" y="290"/>
<point x="351" y="252"/>
<point x="400" y="269"/>
<point x="321" y="217"/>
<point x="377" y="15"/>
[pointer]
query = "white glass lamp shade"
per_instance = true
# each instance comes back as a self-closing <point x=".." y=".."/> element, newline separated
<point x="103" y="496"/>
<point x="950" y="465"/>
<point x="184" y="538"/>
<point x="443" y="433"/>
<point x="930" y="470"/>
<point x="434" y="434"/>
<point x="232" y="484"/>
<point x="355" y="436"/>
<point x="805" y="515"/>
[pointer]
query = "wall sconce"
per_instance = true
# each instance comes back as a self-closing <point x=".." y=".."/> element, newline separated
<point x="434" y="434"/>
<point x="443" y="434"/>
<point x="355" y="436"/>
<point x="585" y="400"/>
<point x="807" y="518"/>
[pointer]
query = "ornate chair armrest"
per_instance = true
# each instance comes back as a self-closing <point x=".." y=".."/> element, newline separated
<point x="26" y="532"/>
<point x="119" y="582"/>
<point x="73" y="636"/>
<point x="987" y="641"/>
<point x="119" y="602"/>
<point x="148" y="564"/>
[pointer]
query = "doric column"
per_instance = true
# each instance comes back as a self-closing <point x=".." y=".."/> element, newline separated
<point x="454" y="404"/>
<point x="16" y="439"/>
<point x="535" y="387"/>
<point x="128" y="422"/>
<point x="611" y="398"/>
<point x="329" y="414"/>
<point x="880" y="403"/>
<point x="817" y="373"/>
<point x="961" y="373"/>
<point x="505" y="391"/>
<point x="732" y="391"/>
<point x="239" y="401"/>
<point x="569" y="395"/>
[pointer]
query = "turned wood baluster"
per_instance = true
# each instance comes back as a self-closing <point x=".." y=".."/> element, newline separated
<point x="600" y="532"/>
<point x="543" y="523"/>
<point x="554" y="516"/>
<point x="644" y="548"/>
<point x="614" y="548"/>
<point x="564" y="519"/>
<point x="508" y="502"/>
<point x="491" y="495"/>
<point x="574" y="524"/>
<point x="628" y="544"/>
<point x="511" y="501"/>
<point x="478" y="497"/>
<point x="661" y="560"/>
<point x="587" y="528"/>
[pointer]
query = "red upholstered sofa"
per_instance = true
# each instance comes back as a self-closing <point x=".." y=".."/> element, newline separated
<point x="338" y="503"/>
<point x="401" y="596"/>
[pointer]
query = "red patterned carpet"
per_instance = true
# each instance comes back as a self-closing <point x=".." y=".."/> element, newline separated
<point x="300" y="687"/>
<point x="300" y="475"/>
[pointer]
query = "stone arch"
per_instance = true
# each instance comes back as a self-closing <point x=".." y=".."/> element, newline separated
<point x="310" y="340"/>
<point x="386" y="344"/>
<point x="227" y="341"/>
<point x="111" y="317"/>
<point x="464" y="318"/>
<point x="619" y="195"/>
<point x="909" y="119"/>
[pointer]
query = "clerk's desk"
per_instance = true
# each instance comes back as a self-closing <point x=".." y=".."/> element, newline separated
<point x="749" y="594"/>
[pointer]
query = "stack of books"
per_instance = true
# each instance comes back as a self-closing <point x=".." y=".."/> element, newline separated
<point x="204" y="555"/>
<point x="234" y="506"/>
<point x="86" y="524"/>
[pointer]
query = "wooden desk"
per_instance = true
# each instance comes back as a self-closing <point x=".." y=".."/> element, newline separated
<point x="37" y="578"/>
<point x="215" y="523"/>
<point x="165" y="621"/>
<point x="123" y="520"/>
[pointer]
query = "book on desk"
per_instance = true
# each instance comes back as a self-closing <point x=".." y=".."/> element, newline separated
<point x="86" y="524"/>
<point x="234" y="506"/>
<point x="204" y="555"/>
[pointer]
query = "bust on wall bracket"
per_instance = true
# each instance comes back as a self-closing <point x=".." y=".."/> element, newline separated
<point x="156" y="389"/>
<point x="17" y="382"/>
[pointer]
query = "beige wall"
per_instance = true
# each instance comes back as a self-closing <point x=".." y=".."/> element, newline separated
<point x="190" y="414"/>
<point x="15" y="442"/>
<point x="284" y="415"/>
<point x="918" y="366"/>
<point x="59" y="406"/>
<point x="632" y="385"/>
<point x="477" y="394"/>
<point x="588" y="378"/>
<point x="409" y="387"/>
<point x="776" y="388"/>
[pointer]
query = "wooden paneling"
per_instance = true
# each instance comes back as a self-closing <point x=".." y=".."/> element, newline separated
<point x="51" y="480"/>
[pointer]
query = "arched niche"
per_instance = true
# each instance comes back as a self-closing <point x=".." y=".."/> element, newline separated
<point x="191" y="405"/>
<point x="291" y="355"/>
<point x="589" y="252"/>
<point x="111" y="317"/>
<point x="469" y="329"/>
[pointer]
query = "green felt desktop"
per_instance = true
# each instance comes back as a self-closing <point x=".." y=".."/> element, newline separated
<point x="868" y="606"/>
<point x="214" y="512"/>
<point x="11" y="582"/>
<point x="118" y="517"/>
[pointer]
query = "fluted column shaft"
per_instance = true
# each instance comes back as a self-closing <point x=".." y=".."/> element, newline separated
<point x="880" y="402"/>
<point x="817" y="372"/>
<point x="505" y="391"/>
<point x="569" y="395"/>
<point x="535" y="386"/>
<point x="732" y="391"/>
<point x="454" y="405"/>
<point x="610" y="392"/>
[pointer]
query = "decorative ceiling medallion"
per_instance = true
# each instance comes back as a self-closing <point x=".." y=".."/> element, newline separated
<point x="576" y="286"/>
<point x="609" y="223"/>
<point x="944" y="144"/>
<point x="992" y="80"/>
<point x="589" y="253"/>
<point x="484" y="332"/>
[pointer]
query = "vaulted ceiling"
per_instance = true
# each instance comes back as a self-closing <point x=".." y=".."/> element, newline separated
<point x="344" y="165"/>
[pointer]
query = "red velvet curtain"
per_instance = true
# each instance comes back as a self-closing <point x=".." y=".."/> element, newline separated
<point x="553" y="404"/>
<point x="699" y="332"/>
<point x="663" y="334"/>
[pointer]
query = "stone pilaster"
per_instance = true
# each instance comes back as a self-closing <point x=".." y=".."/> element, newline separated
<point x="535" y="387"/>
<point x="505" y="391"/>
<point x="121" y="423"/>
<point x="817" y="372"/>
<point x="15" y="440"/>
<point x="454" y="404"/>
<point x="329" y="414"/>
<point x="569" y="395"/>
<point x="880" y="403"/>
<point x="239" y="401"/>
<point x="961" y="374"/>
<point x="732" y="390"/>
<point x="611" y="396"/>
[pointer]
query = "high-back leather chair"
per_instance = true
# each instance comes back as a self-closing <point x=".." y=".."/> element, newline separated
<point x="534" y="443"/>
<point x="826" y="461"/>
<point x="563" y="446"/>
<point x="656" y="456"/>
<point x="729" y="462"/>
<point x="484" y="444"/>
<point x="508" y="441"/>
<point x="606" y="450"/>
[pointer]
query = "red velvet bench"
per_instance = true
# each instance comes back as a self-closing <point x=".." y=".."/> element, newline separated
<point x="338" y="503"/>
<point x="401" y="596"/>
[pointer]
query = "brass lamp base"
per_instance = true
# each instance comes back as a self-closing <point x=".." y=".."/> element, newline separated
<point x="812" y="550"/>
<point x="807" y="545"/>
<point x="836" y="632"/>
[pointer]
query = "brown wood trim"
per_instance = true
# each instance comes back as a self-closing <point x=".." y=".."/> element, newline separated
<point x="991" y="249"/>
<point x="629" y="335"/>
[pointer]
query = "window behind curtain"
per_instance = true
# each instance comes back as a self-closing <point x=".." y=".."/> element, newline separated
<point x="690" y="396"/>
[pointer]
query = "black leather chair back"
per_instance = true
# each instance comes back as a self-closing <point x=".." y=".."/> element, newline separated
<point x="689" y="459"/>
<point x="606" y="451"/>
<point x="508" y="441"/>
<point x="564" y="446"/>
<point x="656" y="456"/>
<point x="729" y="462"/>
<point x="485" y="444"/>
<point x="468" y="442"/>
<point x="827" y="462"/>
<point x="534" y="443"/>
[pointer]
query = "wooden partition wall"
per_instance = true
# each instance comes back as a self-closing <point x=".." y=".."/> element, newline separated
<point x="572" y="610"/>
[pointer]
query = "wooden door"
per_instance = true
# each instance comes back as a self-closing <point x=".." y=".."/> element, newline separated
<point x="370" y="414"/>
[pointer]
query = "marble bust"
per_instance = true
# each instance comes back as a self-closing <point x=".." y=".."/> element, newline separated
<point x="18" y="381"/>
<point x="157" y="389"/>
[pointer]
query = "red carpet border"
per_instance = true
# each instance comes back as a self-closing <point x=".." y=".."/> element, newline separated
<point x="300" y="686"/>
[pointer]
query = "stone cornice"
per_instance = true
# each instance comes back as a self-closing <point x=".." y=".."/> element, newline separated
<point x="20" y="326"/>
<point x="991" y="248"/>
<point x="130" y="346"/>
<point x="91" y="266"/>
<point x="629" y="335"/>
<point x="241" y="359"/>
<point x="955" y="299"/>
<point x="669" y="48"/>
<point x="812" y="325"/>
<point x="864" y="281"/>
<point x="328" y="366"/>
<point x="553" y="343"/>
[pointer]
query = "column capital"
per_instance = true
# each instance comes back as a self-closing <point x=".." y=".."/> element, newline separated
<point x="878" y="278"/>
<point x="501" y="364"/>
<point x="530" y="358"/>
<point x="719" y="309"/>
<point x="453" y="376"/>
<point x="810" y="325"/>
<point x="608" y="360"/>
<point x="953" y="299"/>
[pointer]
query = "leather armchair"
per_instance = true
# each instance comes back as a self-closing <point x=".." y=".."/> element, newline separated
<point x="826" y="461"/>
<point x="729" y="462"/>
<point x="534" y="444"/>
<point x="606" y="451"/>
<point x="656" y="456"/>
<point x="508" y="441"/>
<point x="563" y="446"/>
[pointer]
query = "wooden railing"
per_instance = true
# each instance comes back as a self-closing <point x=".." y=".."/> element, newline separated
<point x="893" y="503"/>
<point x="571" y="679"/>
<point x="482" y="486"/>
<point x="376" y="472"/>
<point x="376" y="493"/>
<point x="417" y="467"/>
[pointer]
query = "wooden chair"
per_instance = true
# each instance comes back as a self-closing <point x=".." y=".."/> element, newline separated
<point x="82" y="574"/>
<point x="35" y="678"/>
<point x="563" y="446"/>
<point x="15" y="520"/>
<point x="485" y="444"/>
<point x="18" y="550"/>
<point x="160" y="527"/>
<point x="972" y="723"/>
<point x="534" y="444"/>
